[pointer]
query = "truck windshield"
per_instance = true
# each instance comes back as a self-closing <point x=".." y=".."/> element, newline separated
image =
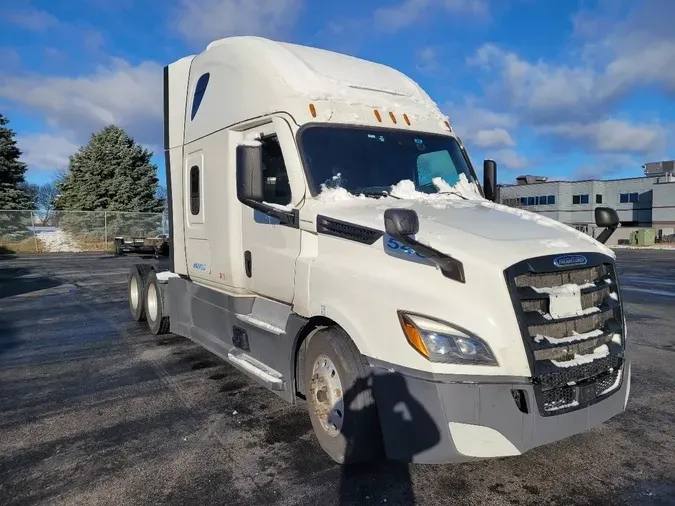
<point x="371" y="161"/>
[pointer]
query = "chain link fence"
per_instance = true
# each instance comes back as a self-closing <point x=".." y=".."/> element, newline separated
<point x="74" y="231"/>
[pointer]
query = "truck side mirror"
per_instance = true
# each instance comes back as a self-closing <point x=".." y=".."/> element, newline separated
<point x="401" y="222"/>
<point x="609" y="219"/>
<point x="606" y="217"/>
<point x="249" y="173"/>
<point x="490" y="179"/>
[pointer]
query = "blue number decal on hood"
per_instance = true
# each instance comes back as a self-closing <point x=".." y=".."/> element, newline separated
<point x="395" y="248"/>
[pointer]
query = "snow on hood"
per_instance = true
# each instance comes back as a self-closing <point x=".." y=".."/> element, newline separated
<point x="460" y="207"/>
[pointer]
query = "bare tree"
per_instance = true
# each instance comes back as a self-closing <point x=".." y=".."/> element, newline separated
<point x="160" y="193"/>
<point x="45" y="201"/>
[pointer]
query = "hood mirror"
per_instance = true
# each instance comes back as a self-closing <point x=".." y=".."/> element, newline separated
<point x="609" y="219"/>
<point x="401" y="222"/>
<point x="606" y="217"/>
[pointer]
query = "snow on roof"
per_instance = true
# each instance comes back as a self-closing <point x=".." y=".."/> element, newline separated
<point x="321" y="74"/>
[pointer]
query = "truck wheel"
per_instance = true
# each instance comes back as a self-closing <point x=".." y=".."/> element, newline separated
<point x="136" y="290"/>
<point x="154" y="306"/>
<point x="339" y="398"/>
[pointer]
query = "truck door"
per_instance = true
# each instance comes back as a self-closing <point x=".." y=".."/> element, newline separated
<point x="271" y="249"/>
<point x="197" y="250"/>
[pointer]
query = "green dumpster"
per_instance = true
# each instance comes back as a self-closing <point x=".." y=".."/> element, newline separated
<point x="646" y="236"/>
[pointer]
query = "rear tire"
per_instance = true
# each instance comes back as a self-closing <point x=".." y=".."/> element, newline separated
<point x="154" y="306"/>
<point x="340" y="401"/>
<point x="136" y="290"/>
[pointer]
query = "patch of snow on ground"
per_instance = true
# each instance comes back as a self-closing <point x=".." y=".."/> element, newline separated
<point x="57" y="241"/>
<point x="666" y="246"/>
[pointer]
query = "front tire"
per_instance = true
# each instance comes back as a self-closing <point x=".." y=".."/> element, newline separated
<point x="154" y="306"/>
<point x="339" y="398"/>
<point x="136" y="290"/>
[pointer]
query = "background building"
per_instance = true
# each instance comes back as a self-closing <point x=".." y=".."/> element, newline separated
<point x="647" y="201"/>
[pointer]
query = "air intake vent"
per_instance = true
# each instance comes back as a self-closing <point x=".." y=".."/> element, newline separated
<point x="345" y="230"/>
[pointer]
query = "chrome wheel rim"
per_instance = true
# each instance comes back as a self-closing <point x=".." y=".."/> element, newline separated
<point x="133" y="292"/>
<point x="152" y="305"/>
<point x="326" y="395"/>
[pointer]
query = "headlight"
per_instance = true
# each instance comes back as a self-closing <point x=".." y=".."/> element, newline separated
<point x="440" y="342"/>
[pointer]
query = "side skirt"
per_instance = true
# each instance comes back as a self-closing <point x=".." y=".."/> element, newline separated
<point x="255" y="335"/>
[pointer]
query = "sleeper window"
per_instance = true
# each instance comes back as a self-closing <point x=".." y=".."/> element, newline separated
<point x="200" y="89"/>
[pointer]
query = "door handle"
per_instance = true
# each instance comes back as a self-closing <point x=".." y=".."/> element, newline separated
<point x="248" y="263"/>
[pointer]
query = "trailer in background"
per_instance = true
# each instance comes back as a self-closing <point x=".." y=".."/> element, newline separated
<point x="158" y="245"/>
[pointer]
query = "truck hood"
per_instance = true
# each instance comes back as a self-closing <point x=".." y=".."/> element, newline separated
<point x="477" y="227"/>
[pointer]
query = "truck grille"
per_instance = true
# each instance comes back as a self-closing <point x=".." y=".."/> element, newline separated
<point x="575" y="359"/>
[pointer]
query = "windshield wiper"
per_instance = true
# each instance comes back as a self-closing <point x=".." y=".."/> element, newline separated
<point x="373" y="193"/>
<point x="453" y="193"/>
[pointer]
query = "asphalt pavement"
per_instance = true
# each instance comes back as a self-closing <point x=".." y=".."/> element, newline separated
<point x="95" y="410"/>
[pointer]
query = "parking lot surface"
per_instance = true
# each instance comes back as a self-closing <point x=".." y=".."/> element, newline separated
<point x="95" y="410"/>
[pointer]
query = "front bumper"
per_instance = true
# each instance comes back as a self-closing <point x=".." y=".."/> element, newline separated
<point x="441" y="419"/>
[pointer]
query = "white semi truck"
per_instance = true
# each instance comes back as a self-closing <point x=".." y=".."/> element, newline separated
<point x="330" y="239"/>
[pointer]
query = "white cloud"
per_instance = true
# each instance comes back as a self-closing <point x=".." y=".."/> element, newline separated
<point x="45" y="151"/>
<point x="75" y="107"/>
<point x="617" y="57"/>
<point x="614" y="135"/>
<point x="400" y="16"/>
<point x="407" y="12"/>
<point x="615" y="51"/>
<point x="494" y="138"/>
<point x="427" y="59"/>
<point x="510" y="159"/>
<point x="127" y="95"/>
<point x="32" y="19"/>
<point x="482" y="127"/>
<point x="202" y="21"/>
<point x="539" y="89"/>
<point x="606" y="165"/>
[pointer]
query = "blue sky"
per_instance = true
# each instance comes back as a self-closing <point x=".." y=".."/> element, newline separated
<point x="568" y="89"/>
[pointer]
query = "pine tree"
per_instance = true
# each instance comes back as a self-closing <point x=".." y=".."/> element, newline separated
<point x="111" y="173"/>
<point x="13" y="189"/>
<point x="14" y="194"/>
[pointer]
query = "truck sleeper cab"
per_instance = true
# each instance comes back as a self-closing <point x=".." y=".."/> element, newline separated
<point x="330" y="239"/>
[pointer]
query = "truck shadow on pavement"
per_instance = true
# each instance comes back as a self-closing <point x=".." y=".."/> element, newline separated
<point x="20" y="281"/>
<point x="17" y="281"/>
<point x="407" y="431"/>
